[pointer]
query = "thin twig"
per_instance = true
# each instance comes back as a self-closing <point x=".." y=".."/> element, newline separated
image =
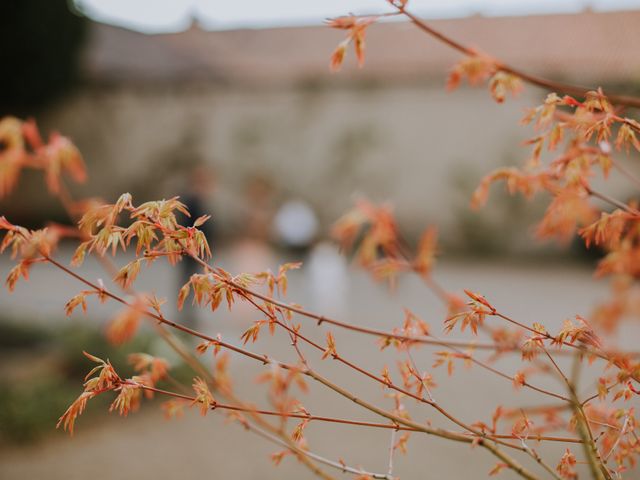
<point x="331" y="463"/>
<point x="594" y="460"/>
<point x="392" y="448"/>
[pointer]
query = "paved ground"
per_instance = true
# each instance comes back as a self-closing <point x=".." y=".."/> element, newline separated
<point x="146" y="447"/>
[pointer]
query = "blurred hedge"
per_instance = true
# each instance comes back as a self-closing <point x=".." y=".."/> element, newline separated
<point x="41" y="42"/>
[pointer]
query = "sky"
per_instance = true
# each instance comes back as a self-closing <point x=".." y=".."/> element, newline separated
<point x="155" y="16"/>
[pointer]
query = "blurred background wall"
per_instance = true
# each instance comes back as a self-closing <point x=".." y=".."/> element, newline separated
<point x="144" y="109"/>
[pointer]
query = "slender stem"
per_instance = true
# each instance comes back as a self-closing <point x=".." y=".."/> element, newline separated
<point x="599" y="471"/>
<point x="623" y="430"/>
<point x="511" y="462"/>
<point x="406" y="392"/>
<point x="431" y="340"/>
<point x="355" y="328"/>
<point x="557" y="368"/>
<point x="626" y="172"/>
<point x="331" y="463"/>
<point x="612" y="201"/>
<point x="604" y="355"/>
<point x="297" y="335"/>
<point x="596" y="395"/>
<point x="416" y="373"/>
<point x="508" y="377"/>
<point x="293" y="335"/>
<point x="533" y="454"/>
<point x="392" y="449"/>
<point x="307" y="416"/>
<point x="273" y="413"/>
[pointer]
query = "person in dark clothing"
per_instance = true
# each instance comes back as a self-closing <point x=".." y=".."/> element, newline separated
<point x="201" y="185"/>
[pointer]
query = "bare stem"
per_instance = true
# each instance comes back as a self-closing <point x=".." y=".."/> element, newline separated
<point x="392" y="449"/>
<point x="612" y="201"/>
<point x="314" y="456"/>
<point x="597" y="467"/>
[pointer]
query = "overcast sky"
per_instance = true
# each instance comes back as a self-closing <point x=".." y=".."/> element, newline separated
<point x="174" y="15"/>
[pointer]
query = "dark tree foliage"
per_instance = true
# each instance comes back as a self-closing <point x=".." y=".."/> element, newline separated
<point x="42" y="41"/>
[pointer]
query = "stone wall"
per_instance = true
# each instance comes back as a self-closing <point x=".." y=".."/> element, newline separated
<point x="416" y="146"/>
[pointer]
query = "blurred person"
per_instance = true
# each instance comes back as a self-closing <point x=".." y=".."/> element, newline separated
<point x="200" y="187"/>
<point x="296" y="225"/>
<point x="328" y="279"/>
<point x="257" y="209"/>
<point x="201" y="184"/>
<point x="252" y="251"/>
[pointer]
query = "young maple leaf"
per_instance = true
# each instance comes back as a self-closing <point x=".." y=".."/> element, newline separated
<point x="569" y="210"/>
<point x="331" y="347"/>
<point x="427" y="249"/>
<point x="475" y="68"/>
<point x="502" y="84"/>
<point x="128" y="399"/>
<point x="62" y="156"/>
<point x="582" y="333"/>
<point x="566" y="466"/>
<point x="107" y="379"/>
<point x="519" y="380"/>
<point x="12" y="154"/>
<point x="203" y="395"/>
<point x="497" y="468"/>
<point x="68" y="418"/>
<point x="124" y="325"/>
<point x="357" y="28"/>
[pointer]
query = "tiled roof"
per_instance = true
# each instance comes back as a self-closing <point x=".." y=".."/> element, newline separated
<point x="585" y="48"/>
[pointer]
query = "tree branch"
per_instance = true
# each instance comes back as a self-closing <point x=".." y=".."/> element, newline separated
<point x="531" y="79"/>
